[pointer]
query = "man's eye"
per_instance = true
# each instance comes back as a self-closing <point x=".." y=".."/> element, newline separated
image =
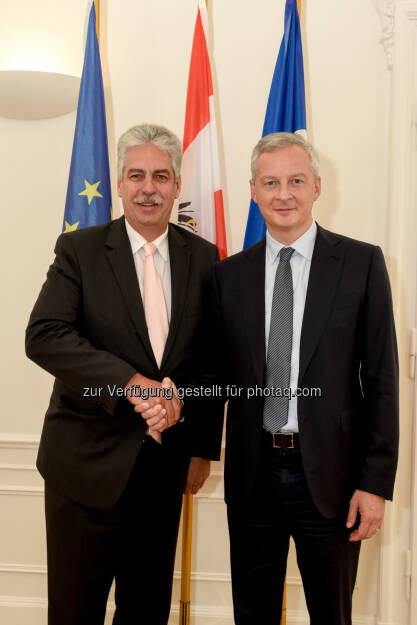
<point x="297" y="180"/>
<point x="161" y="177"/>
<point x="271" y="183"/>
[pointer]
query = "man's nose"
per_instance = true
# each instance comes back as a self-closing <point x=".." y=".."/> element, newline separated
<point x="284" y="191"/>
<point x="148" y="185"/>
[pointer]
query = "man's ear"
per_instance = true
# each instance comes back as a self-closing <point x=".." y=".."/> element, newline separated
<point x="252" y="190"/>
<point x="178" y="182"/>
<point x="317" y="188"/>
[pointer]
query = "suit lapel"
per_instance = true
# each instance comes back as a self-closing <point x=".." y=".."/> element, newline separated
<point x="179" y="258"/>
<point x="252" y="287"/>
<point x="119" y="254"/>
<point x="326" y="265"/>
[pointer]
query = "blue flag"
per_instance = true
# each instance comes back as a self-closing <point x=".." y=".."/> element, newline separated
<point x="286" y="110"/>
<point x="88" y="200"/>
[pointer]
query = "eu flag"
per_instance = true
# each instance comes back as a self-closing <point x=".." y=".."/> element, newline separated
<point x="88" y="200"/>
<point x="286" y="110"/>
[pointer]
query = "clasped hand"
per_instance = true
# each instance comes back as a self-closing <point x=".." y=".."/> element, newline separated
<point x="160" y="412"/>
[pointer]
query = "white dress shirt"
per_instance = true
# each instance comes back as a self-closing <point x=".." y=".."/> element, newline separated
<point x="300" y="267"/>
<point x="161" y="260"/>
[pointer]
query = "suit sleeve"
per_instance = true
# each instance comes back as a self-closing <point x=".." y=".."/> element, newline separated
<point x="54" y="336"/>
<point x="379" y="380"/>
<point x="204" y="414"/>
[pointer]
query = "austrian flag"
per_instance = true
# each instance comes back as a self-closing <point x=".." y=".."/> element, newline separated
<point x="201" y="200"/>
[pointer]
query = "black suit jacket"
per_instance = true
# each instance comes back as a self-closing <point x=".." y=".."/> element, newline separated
<point x="348" y="434"/>
<point x="88" y="329"/>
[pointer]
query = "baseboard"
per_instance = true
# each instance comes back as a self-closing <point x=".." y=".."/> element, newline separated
<point x="32" y="611"/>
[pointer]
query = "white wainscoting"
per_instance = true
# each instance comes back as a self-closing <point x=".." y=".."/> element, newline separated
<point x="23" y="550"/>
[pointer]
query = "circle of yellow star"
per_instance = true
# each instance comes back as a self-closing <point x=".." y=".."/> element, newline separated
<point x="71" y="227"/>
<point x="91" y="191"/>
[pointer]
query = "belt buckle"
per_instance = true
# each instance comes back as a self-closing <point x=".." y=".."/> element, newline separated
<point x="277" y="436"/>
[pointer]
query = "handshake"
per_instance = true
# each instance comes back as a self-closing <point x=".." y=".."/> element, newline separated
<point x="160" y="411"/>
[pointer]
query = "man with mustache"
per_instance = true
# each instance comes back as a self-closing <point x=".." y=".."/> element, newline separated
<point x="122" y="310"/>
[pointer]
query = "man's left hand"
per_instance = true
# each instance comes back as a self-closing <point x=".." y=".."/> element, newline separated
<point x="371" y="509"/>
<point x="198" y="472"/>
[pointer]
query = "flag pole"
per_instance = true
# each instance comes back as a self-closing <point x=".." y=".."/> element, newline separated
<point x="187" y="526"/>
<point x="89" y="161"/>
<point x="187" y="532"/>
<point x="284" y="605"/>
<point x="97" y="7"/>
<point x="284" y="596"/>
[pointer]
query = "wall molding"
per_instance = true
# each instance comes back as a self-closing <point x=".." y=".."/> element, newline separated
<point x="39" y="490"/>
<point x="19" y="441"/>
<point x="207" y="498"/>
<point x="205" y="576"/>
<point x="196" y="576"/>
<point x="22" y="490"/>
<point x="32" y="569"/>
<point x="31" y="442"/>
<point x="387" y="15"/>
<point x="13" y="601"/>
<point x="17" y="467"/>
<point x="41" y="569"/>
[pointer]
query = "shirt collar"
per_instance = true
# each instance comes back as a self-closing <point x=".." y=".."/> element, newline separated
<point x="137" y="241"/>
<point x="304" y="245"/>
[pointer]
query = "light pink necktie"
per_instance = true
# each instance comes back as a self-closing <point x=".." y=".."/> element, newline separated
<point x="155" y="310"/>
<point x="154" y="304"/>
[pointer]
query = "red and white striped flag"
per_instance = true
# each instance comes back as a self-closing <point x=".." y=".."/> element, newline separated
<point x="201" y="199"/>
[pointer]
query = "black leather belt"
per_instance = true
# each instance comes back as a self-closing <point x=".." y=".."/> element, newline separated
<point x="281" y="440"/>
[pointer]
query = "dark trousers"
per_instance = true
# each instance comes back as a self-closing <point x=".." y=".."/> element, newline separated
<point x="134" y="543"/>
<point x="281" y="507"/>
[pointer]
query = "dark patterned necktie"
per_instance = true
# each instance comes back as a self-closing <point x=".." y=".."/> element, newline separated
<point x="278" y="360"/>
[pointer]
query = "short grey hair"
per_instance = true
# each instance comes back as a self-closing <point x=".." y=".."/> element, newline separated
<point x="159" y="136"/>
<point x="279" y="141"/>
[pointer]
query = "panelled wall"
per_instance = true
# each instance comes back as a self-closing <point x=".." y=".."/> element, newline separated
<point x="23" y="551"/>
<point x="360" y="97"/>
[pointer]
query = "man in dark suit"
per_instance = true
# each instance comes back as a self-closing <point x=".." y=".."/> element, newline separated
<point x="113" y="492"/>
<point x="305" y="324"/>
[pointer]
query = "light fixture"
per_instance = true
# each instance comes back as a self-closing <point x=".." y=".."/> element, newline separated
<point x="37" y="95"/>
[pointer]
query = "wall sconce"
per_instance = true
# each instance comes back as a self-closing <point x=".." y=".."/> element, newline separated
<point x="37" y="95"/>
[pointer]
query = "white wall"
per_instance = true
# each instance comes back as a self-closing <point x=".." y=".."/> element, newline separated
<point x="146" y="49"/>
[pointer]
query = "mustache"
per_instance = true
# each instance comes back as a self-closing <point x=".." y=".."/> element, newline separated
<point x="148" y="199"/>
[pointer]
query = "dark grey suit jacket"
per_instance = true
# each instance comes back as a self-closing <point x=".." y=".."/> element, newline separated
<point x="88" y="329"/>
